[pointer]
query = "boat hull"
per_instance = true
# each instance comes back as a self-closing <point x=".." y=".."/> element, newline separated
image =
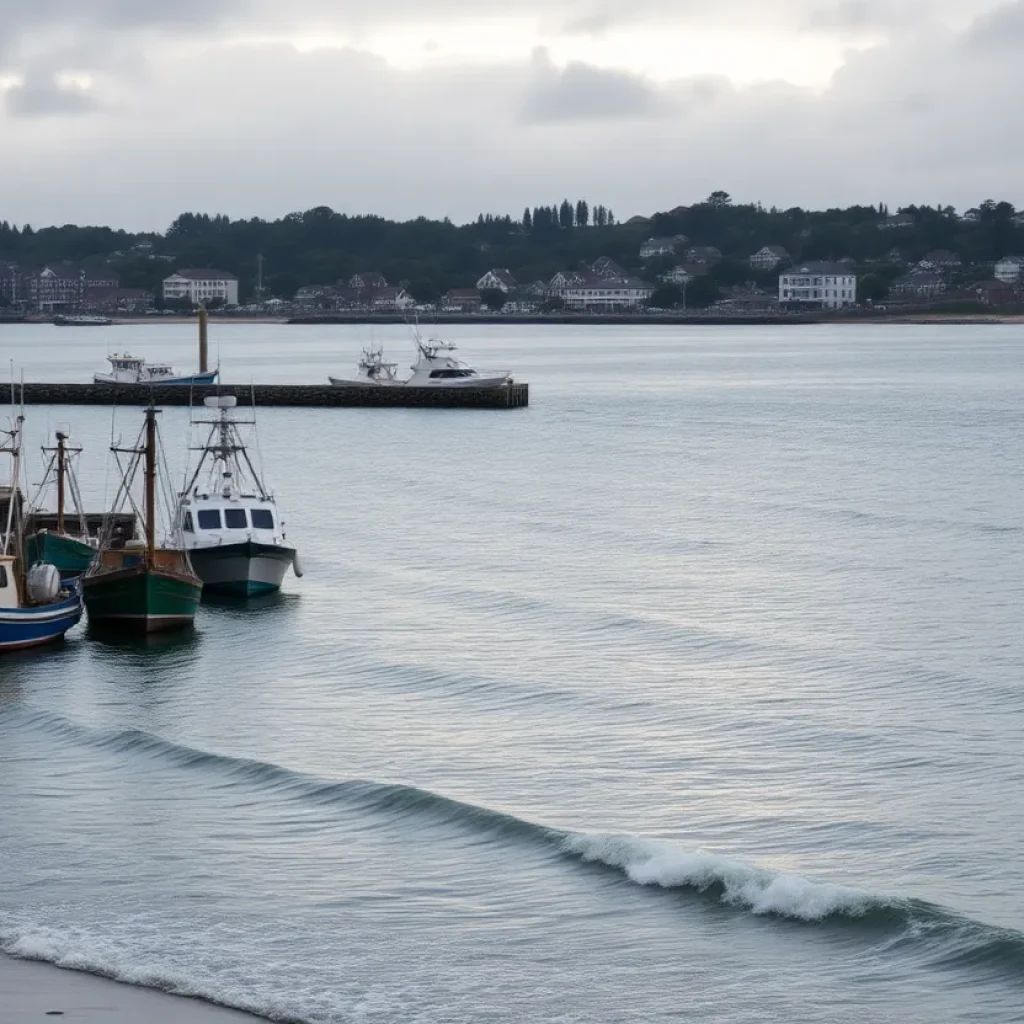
<point x="21" y="628"/>
<point x="196" y="378"/>
<point x="141" y="600"/>
<point x="82" y="321"/>
<point x="242" y="570"/>
<point x="354" y="383"/>
<point x="70" y="555"/>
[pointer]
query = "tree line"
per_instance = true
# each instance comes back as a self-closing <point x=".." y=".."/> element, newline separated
<point x="322" y="246"/>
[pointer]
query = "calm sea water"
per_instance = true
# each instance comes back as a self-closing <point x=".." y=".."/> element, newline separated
<point x="693" y="692"/>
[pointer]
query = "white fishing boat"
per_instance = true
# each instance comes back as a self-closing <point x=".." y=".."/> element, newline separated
<point x="229" y="521"/>
<point x="436" y="366"/>
<point x="373" y="371"/>
<point x="128" y="369"/>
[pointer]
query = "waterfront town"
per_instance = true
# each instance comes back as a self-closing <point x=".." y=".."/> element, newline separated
<point x="659" y="273"/>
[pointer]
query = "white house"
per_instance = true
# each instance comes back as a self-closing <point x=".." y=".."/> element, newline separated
<point x="497" y="280"/>
<point x="201" y="286"/>
<point x="824" y="285"/>
<point x="592" y="293"/>
<point x="768" y="257"/>
<point x="1010" y="269"/>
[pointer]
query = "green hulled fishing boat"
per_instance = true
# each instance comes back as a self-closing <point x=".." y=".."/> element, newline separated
<point x="134" y="584"/>
<point x="67" y="545"/>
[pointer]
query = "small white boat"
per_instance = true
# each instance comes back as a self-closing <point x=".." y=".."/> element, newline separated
<point x="373" y="372"/>
<point x="126" y="369"/>
<point x="82" y="321"/>
<point x="229" y="522"/>
<point x="435" y="367"/>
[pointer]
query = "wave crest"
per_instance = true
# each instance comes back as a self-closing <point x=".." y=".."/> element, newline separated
<point x="670" y="866"/>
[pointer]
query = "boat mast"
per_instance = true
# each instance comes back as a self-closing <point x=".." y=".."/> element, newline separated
<point x="60" y="480"/>
<point x="150" y="484"/>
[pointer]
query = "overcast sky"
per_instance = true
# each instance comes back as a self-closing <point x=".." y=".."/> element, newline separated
<point x="128" y="112"/>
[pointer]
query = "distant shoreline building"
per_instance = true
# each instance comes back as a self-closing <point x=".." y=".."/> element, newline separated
<point x="201" y="285"/>
<point x="824" y="285"/>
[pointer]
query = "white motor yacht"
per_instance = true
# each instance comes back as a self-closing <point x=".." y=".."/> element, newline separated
<point x="126" y="369"/>
<point x="437" y="367"/>
<point x="229" y="521"/>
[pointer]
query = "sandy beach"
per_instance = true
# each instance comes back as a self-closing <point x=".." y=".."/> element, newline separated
<point x="31" y="992"/>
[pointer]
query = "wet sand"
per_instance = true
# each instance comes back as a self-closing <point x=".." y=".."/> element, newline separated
<point x="38" y="992"/>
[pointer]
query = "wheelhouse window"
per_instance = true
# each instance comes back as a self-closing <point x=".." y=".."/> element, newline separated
<point x="209" y="518"/>
<point x="3" y="577"/>
<point x="450" y="373"/>
<point x="186" y="524"/>
<point x="234" y="518"/>
<point x="262" y="518"/>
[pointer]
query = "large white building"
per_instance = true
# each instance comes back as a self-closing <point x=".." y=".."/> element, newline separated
<point x="201" y="285"/>
<point x="1010" y="269"/>
<point x="587" y="291"/>
<point x="824" y="285"/>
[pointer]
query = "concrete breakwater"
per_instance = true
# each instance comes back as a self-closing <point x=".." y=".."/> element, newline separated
<point x="507" y="396"/>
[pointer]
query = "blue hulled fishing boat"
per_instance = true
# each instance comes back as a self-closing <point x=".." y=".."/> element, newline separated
<point x="36" y="607"/>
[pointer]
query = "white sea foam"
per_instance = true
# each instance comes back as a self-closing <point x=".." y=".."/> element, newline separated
<point x="669" y="865"/>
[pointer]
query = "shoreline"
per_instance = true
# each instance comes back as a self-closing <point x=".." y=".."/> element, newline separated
<point x="34" y="990"/>
<point x="567" y="320"/>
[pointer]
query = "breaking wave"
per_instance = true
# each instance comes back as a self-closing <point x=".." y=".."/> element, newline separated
<point x="939" y="936"/>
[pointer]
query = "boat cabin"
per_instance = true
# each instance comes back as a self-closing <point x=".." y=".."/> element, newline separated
<point x="9" y="597"/>
<point x="210" y="520"/>
<point x="126" y="364"/>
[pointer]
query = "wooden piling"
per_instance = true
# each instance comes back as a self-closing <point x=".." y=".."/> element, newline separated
<point x="204" y="347"/>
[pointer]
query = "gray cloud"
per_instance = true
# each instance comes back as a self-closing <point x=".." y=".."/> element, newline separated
<point x="1001" y="29"/>
<point x="44" y="96"/>
<point x="911" y="119"/>
<point x="582" y="92"/>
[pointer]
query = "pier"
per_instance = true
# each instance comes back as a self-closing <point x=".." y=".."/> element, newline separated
<point x="507" y="396"/>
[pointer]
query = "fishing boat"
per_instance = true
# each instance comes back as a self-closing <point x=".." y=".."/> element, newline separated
<point x="69" y="546"/>
<point x="436" y="366"/>
<point x="372" y="371"/>
<point x="137" y="585"/>
<point x="128" y="369"/>
<point x="229" y="521"/>
<point x="82" y="321"/>
<point x="35" y="606"/>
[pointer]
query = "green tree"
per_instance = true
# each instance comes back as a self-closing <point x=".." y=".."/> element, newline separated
<point x="493" y="298"/>
<point x="667" y="296"/>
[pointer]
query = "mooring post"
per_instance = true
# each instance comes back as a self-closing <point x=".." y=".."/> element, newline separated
<point x="204" y="348"/>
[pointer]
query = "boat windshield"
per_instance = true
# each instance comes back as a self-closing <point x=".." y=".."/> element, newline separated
<point x="234" y="518"/>
<point x="209" y="518"/>
<point x="452" y="373"/>
<point x="262" y="518"/>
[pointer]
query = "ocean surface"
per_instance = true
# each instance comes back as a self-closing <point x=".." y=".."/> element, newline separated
<point x="694" y="692"/>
